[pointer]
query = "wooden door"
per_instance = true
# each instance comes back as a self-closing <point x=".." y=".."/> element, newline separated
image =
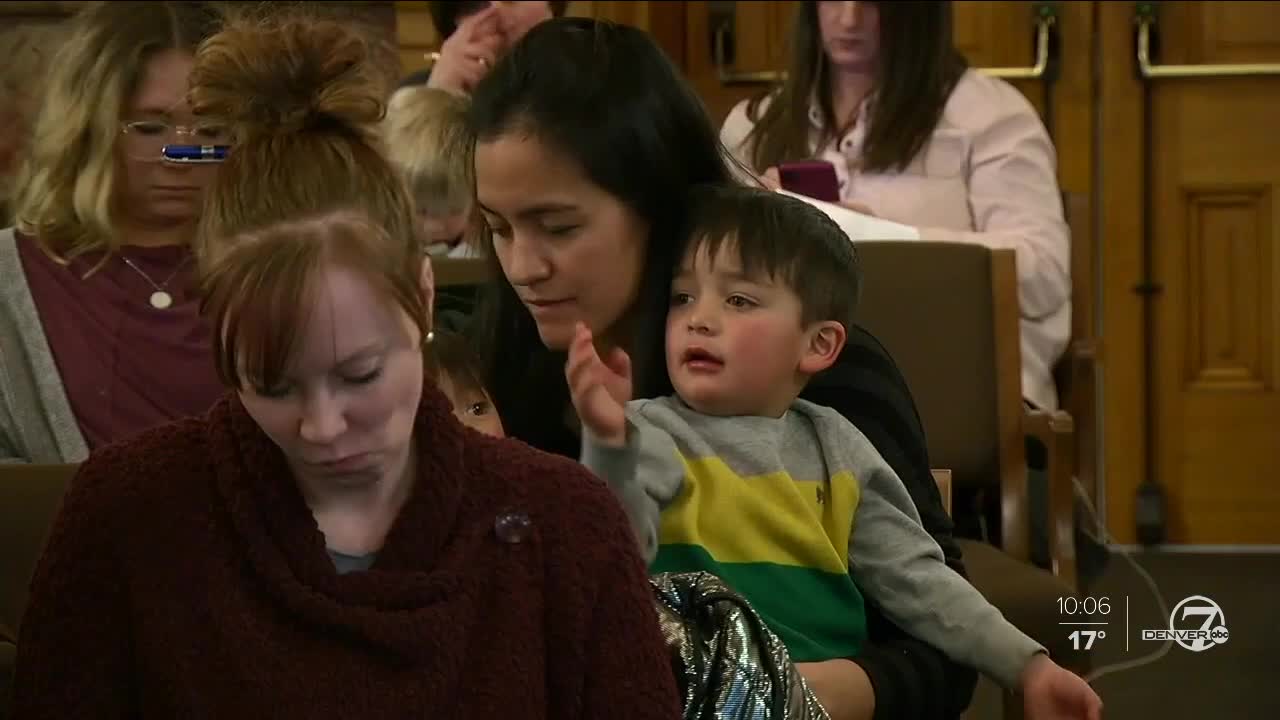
<point x="1193" y="168"/>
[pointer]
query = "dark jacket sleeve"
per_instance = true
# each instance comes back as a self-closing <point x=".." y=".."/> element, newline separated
<point x="911" y="680"/>
<point x="628" y="675"/>
<point x="609" y="656"/>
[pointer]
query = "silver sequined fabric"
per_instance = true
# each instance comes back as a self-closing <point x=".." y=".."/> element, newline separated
<point x="728" y="664"/>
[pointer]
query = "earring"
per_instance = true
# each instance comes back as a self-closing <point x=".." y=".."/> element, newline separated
<point x="431" y="335"/>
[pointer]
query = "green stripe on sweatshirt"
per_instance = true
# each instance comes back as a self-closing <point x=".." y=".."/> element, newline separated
<point x="818" y="615"/>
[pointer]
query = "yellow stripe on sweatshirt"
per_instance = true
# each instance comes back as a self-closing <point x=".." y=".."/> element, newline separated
<point x="771" y="518"/>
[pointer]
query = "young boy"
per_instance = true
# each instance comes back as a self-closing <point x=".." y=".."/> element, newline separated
<point x="784" y="500"/>
<point x="452" y="365"/>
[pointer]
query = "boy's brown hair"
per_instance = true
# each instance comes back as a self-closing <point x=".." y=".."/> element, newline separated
<point x="780" y="237"/>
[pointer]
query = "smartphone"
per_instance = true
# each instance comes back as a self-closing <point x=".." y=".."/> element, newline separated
<point x="194" y="154"/>
<point x="811" y="178"/>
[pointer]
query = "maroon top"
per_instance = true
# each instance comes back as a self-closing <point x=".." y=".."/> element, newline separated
<point x="125" y="365"/>
<point x="185" y="577"/>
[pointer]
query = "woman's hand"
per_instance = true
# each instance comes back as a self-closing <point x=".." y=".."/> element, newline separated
<point x="842" y="687"/>
<point x="857" y="207"/>
<point x="1051" y="692"/>
<point x="771" y="179"/>
<point x="599" y="388"/>
<point x="468" y="54"/>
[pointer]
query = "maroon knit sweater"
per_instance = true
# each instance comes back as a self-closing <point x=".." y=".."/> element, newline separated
<point x="186" y="578"/>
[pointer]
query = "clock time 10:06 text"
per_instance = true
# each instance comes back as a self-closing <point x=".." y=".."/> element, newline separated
<point x="1084" y="606"/>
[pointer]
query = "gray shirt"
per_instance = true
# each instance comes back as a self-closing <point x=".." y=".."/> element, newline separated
<point x="345" y="563"/>
<point x="891" y="557"/>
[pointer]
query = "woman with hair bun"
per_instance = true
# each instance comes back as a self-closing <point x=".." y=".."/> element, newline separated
<point x="329" y="541"/>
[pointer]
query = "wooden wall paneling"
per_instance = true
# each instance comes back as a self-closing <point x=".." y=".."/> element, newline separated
<point x="759" y="30"/>
<point x="1120" y="142"/>
<point x="635" y="14"/>
<point x="1192" y="163"/>
<point x="1072" y="115"/>
<point x="1214" y="159"/>
<point x="417" y="36"/>
<point x="668" y="25"/>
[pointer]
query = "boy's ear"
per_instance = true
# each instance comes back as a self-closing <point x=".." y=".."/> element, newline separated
<point x="824" y="342"/>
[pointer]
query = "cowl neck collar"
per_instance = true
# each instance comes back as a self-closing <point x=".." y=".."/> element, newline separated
<point x="401" y="603"/>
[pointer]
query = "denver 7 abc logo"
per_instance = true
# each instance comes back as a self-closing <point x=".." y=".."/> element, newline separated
<point x="1199" y="609"/>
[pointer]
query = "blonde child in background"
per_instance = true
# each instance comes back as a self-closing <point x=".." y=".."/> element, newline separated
<point x="427" y="139"/>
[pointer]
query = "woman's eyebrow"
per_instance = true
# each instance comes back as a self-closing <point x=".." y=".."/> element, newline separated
<point x="371" y="350"/>
<point x="535" y="211"/>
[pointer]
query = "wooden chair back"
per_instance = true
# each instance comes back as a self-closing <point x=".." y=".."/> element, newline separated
<point x="30" y="496"/>
<point x="948" y="314"/>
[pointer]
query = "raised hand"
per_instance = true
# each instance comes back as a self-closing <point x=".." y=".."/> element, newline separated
<point x="468" y="54"/>
<point x="771" y="179"/>
<point x="599" y="388"/>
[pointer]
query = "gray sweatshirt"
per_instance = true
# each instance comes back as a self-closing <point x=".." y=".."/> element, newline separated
<point x="672" y="451"/>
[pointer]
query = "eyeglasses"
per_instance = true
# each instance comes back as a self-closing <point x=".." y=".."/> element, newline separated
<point x="145" y="139"/>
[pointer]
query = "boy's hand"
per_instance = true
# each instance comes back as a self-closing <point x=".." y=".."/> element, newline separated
<point x="1051" y="692"/>
<point x="599" y="388"/>
<point x="842" y="687"/>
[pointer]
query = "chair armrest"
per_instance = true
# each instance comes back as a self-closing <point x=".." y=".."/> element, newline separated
<point x="943" y="480"/>
<point x="1056" y="431"/>
<point x="452" y="272"/>
<point x="7" y="634"/>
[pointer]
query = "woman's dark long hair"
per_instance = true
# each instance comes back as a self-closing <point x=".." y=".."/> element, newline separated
<point x="917" y="70"/>
<point x="606" y="97"/>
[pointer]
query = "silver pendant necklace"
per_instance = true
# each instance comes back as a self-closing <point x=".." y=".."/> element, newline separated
<point x="160" y="299"/>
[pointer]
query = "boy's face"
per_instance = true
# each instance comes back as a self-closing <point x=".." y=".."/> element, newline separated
<point x="472" y="407"/>
<point x="735" y="344"/>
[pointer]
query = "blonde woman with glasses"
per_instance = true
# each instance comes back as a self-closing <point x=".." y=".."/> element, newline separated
<point x="100" y="335"/>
